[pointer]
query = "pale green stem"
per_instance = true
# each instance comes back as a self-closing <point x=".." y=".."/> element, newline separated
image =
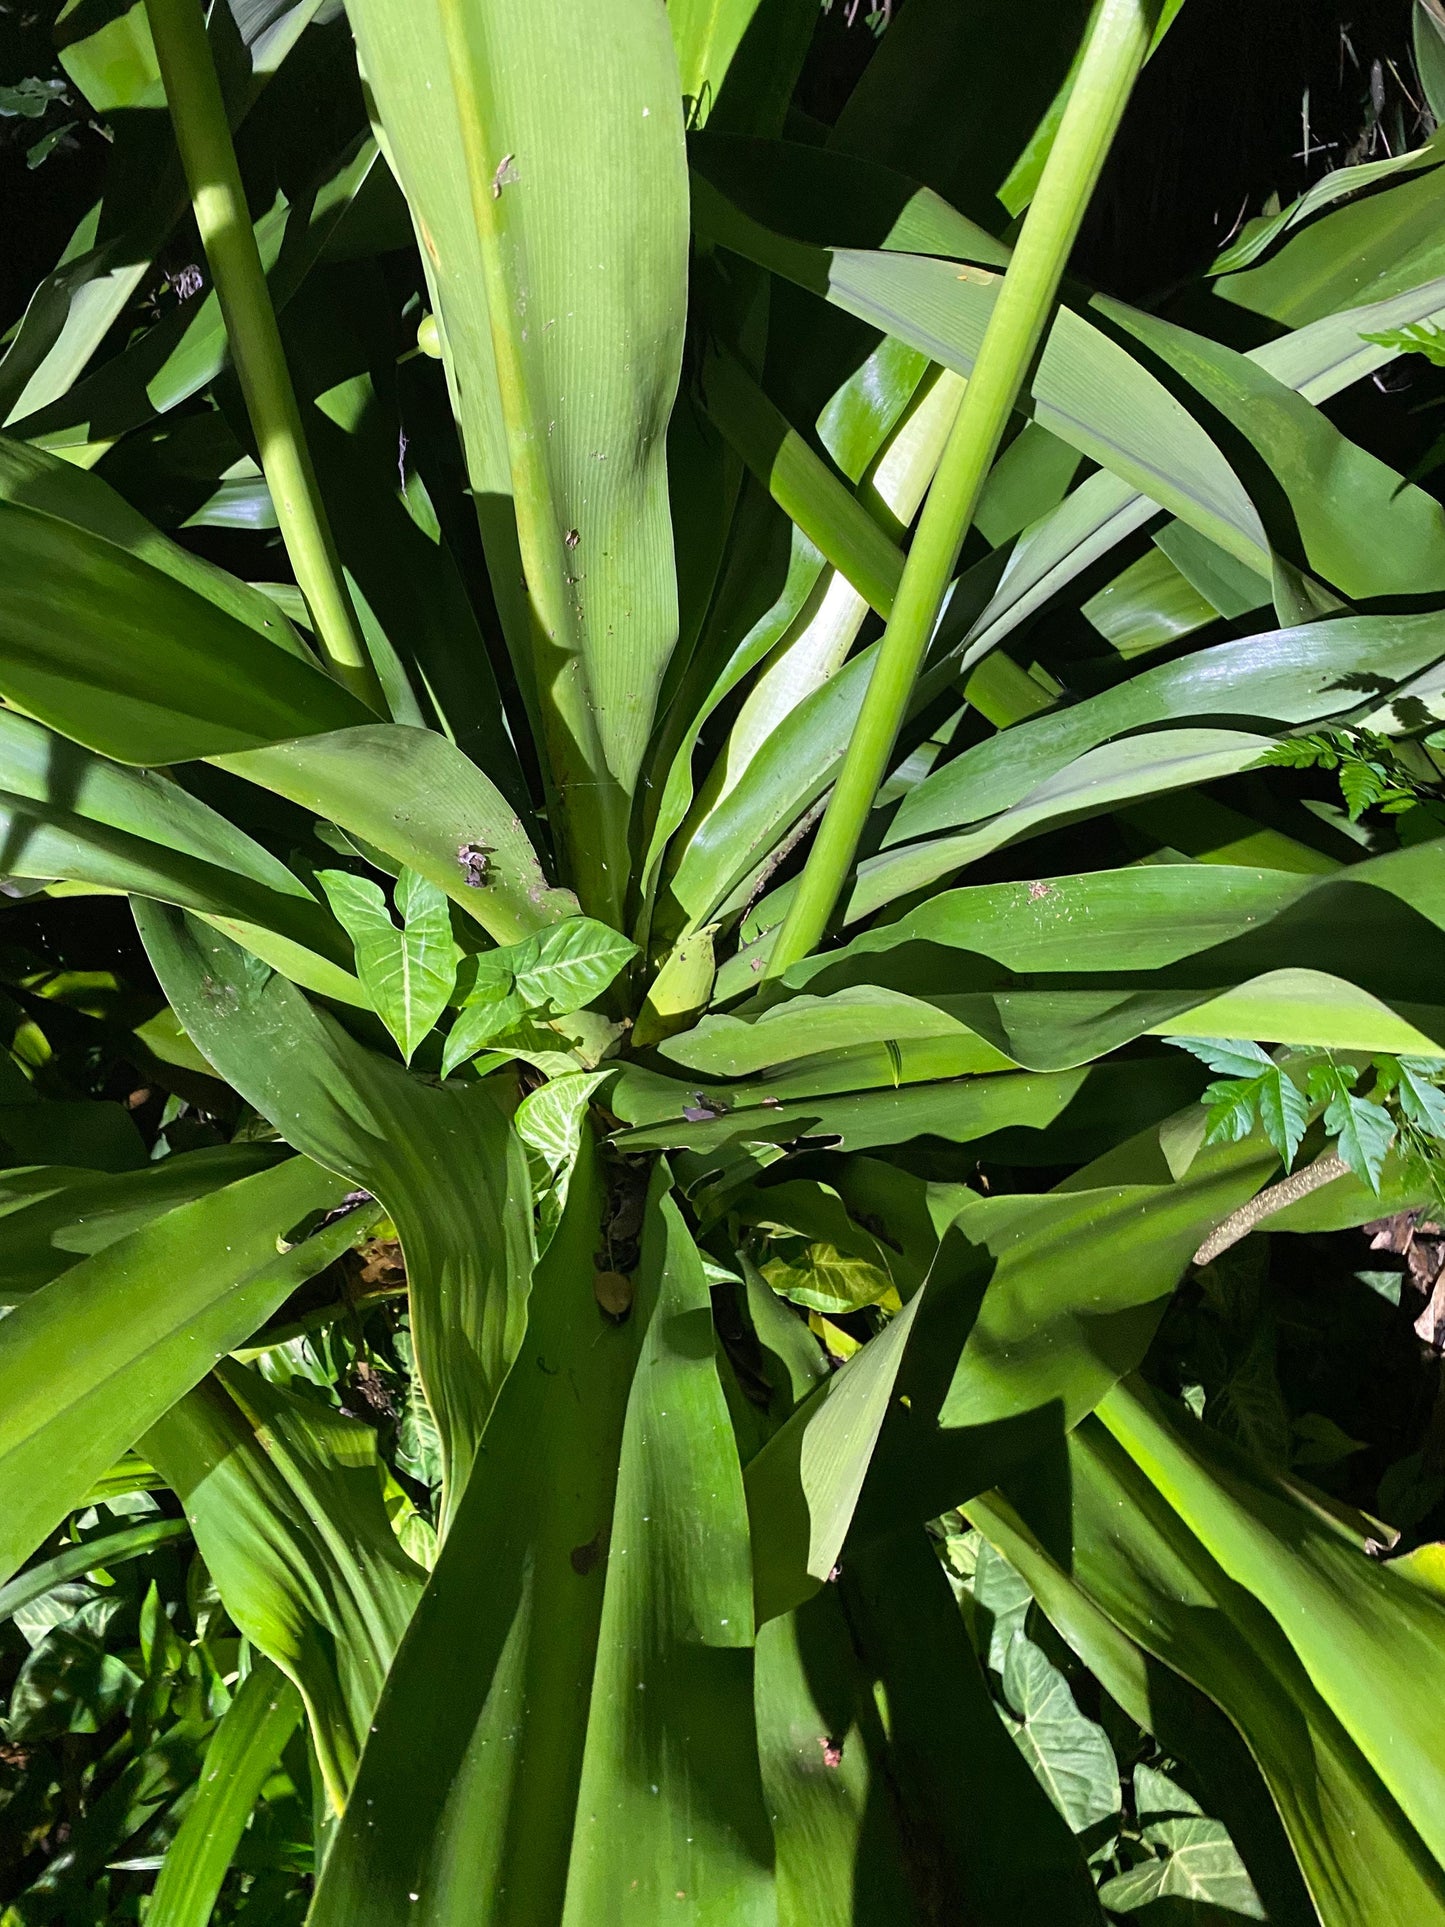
<point x="209" y="158"/>
<point x="1113" y="55"/>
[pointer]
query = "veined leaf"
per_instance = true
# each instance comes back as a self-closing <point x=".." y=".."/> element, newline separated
<point x="417" y="798"/>
<point x="1285" y="676"/>
<point x="445" y="1164"/>
<point x="558" y="971"/>
<point x="409" y="973"/>
<point x="670" y="1796"/>
<point x="53" y="1217"/>
<point x="1314" y="1578"/>
<point x="467" y="1792"/>
<point x="1197" y="1863"/>
<point x="549" y="183"/>
<point x="1070" y="1755"/>
<point x="80" y="1384"/>
<point x="284" y="1497"/>
<point x="1032" y="1309"/>
<point x="239" y="1760"/>
<point x="1364" y="1129"/>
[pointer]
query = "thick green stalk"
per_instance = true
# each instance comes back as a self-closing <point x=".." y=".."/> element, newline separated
<point x="1118" y="41"/>
<point x="209" y="158"/>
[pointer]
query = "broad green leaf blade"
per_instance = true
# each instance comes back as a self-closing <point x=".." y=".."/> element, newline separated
<point x="1361" y="526"/>
<point x="1086" y="389"/>
<point x="548" y="179"/>
<point x="1099" y="780"/>
<point x="1187" y="1725"/>
<point x="1045" y="1118"/>
<point x="1364" y="252"/>
<point x="239" y="1760"/>
<point x="284" y="1497"/>
<point x="30" y="478"/>
<point x="79" y="1383"/>
<point x="55" y="1216"/>
<point x="561" y="969"/>
<point x="1365" y="1635"/>
<point x="839" y="1858"/>
<point x="1259" y="236"/>
<point x="466" y="1792"/>
<point x="978" y="1828"/>
<point x="420" y="800"/>
<point x="1344" y="961"/>
<point x="670" y="1799"/>
<point x="445" y="1164"/>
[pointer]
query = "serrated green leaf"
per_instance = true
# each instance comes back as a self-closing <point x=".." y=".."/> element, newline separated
<point x="1200" y="1865"/>
<point x="408" y="973"/>
<point x="1363" y="1129"/>
<point x="1283" y="1112"/>
<point x="1419" y="1098"/>
<point x="1070" y="1755"/>
<point x="1230" y="1056"/>
<point x="1233" y="1110"/>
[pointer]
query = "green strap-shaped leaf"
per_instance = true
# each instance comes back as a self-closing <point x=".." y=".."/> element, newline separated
<point x="96" y="1357"/>
<point x="126" y="658"/>
<point x="1086" y="390"/>
<point x="418" y="798"/>
<point x="1366" y="1636"/>
<point x="284" y="1498"/>
<point x="1183" y="950"/>
<point x="446" y="1164"/>
<point x="1033" y="1308"/>
<point x="981" y="1837"/>
<point x="239" y="1760"/>
<point x="1285" y="676"/>
<point x="541" y="151"/>
<point x="185" y="352"/>
<point x="670" y="1799"/>
<point x="112" y="1549"/>
<point x="466" y="1795"/>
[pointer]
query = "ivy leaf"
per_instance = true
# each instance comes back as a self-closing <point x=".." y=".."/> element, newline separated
<point x="1363" y="1129"/>
<point x="409" y="973"/>
<point x="1070" y="1755"/>
<point x="482" y="1019"/>
<point x="1199" y="1865"/>
<point x="558" y="971"/>
<point x="828" y="1280"/>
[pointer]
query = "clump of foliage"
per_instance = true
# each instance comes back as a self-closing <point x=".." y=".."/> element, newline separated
<point x="680" y="1010"/>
